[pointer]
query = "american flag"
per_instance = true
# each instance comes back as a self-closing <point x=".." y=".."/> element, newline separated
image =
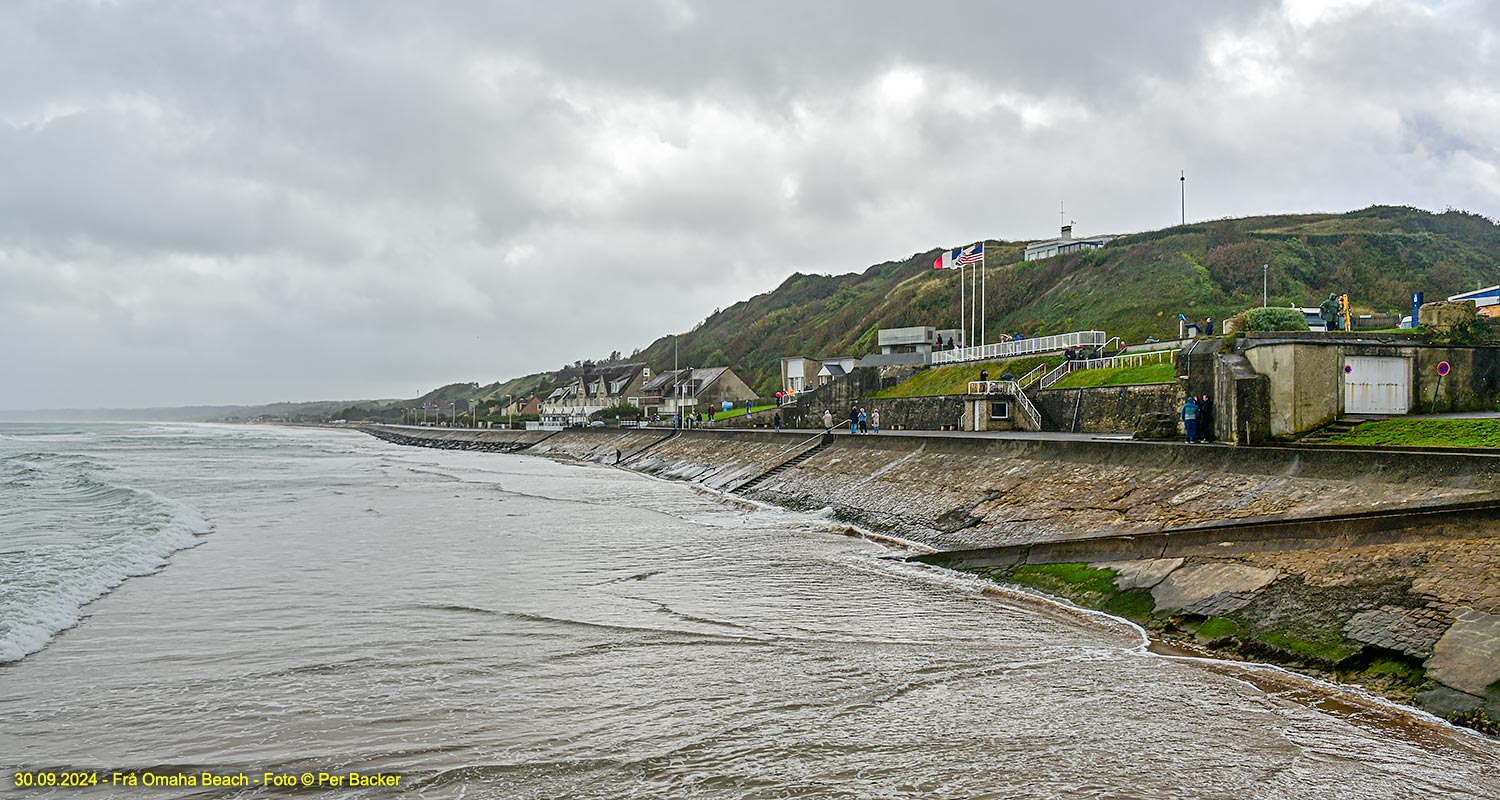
<point x="973" y="254"/>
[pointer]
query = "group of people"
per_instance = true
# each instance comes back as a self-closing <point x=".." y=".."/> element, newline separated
<point x="1080" y="352"/>
<point x="859" y="420"/>
<point x="1197" y="419"/>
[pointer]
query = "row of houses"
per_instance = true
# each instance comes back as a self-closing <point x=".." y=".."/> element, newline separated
<point x="661" y="394"/>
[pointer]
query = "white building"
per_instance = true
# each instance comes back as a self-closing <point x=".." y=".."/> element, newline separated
<point x="835" y="368"/>
<point x="1064" y="244"/>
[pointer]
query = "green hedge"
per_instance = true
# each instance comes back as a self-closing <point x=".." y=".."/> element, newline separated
<point x="1275" y="319"/>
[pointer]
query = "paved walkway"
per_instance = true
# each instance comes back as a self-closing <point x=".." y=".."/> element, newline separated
<point x="843" y="430"/>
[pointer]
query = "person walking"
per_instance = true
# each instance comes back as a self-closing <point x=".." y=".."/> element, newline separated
<point x="776" y="420"/>
<point x="875" y="419"/>
<point x="827" y="420"/>
<point x="1190" y="419"/>
<point x="854" y="419"/>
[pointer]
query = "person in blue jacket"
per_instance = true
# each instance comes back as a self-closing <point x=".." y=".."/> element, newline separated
<point x="1190" y="419"/>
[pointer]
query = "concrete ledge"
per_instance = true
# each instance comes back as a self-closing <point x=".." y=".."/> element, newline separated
<point x="1455" y="521"/>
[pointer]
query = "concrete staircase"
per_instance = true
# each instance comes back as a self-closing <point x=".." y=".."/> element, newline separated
<point x="823" y="443"/>
<point x="1332" y="429"/>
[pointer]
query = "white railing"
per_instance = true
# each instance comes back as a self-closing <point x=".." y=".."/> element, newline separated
<point x="1146" y="347"/>
<point x="1026" y="406"/>
<point x="1020" y="347"/>
<point x="1012" y="388"/>
<point x="1032" y="376"/>
<point x="1122" y="360"/>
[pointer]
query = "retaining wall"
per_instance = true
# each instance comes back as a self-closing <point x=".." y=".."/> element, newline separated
<point x="1105" y="409"/>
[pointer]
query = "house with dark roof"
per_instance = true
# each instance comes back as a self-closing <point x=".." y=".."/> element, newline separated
<point x="836" y="368"/>
<point x="690" y="390"/>
<point x="593" y="391"/>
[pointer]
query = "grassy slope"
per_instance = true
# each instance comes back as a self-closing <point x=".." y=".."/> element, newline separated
<point x="1417" y="432"/>
<point x="1118" y="376"/>
<point x="1133" y="288"/>
<point x="954" y="378"/>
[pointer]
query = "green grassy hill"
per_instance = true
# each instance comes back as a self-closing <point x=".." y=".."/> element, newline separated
<point x="1133" y="288"/>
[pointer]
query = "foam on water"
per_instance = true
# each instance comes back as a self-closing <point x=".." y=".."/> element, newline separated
<point x="67" y="538"/>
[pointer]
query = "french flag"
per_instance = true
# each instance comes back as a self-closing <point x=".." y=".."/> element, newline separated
<point x="945" y="261"/>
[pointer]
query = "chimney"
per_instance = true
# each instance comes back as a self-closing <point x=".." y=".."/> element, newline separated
<point x="1067" y="231"/>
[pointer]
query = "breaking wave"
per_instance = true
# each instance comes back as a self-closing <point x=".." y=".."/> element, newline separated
<point x="67" y="537"/>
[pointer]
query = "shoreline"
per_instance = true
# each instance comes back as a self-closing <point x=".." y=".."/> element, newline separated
<point x="1358" y="704"/>
<point x="970" y="506"/>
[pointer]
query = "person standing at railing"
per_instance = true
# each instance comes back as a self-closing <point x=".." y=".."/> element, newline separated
<point x="984" y="378"/>
<point x="827" y="419"/>
<point x="875" y="419"/>
<point x="854" y="419"/>
<point x="776" y="420"/>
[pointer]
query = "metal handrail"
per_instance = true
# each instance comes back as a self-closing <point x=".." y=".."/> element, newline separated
<point x="1055" y="375"/>
<point x="1121" y="360"/>
<point x="1042" y="344"/>
<point x="1032" y="376"/>
<point x="1012" y="388"/>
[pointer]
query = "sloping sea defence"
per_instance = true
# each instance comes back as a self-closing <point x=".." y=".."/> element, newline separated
<point x="1377" y="568"/>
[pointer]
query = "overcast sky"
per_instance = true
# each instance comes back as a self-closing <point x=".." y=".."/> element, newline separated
<point x="234" y="202"/>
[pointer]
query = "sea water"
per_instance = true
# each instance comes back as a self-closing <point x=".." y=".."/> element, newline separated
<point x="263" y="604"/>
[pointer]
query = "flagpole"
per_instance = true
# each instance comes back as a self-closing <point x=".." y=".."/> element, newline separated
<point x="973" y="300"/>
<point x="983" y="277"/>
<point x="963" y="332"/>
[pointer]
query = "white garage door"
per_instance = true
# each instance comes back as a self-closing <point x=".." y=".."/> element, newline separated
<point x="1376" y="385"/>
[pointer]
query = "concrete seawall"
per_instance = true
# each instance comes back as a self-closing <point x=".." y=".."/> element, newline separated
<point x="1353" y="563"/>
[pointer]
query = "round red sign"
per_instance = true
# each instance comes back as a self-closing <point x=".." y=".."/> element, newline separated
<point x="1443" y="368"/>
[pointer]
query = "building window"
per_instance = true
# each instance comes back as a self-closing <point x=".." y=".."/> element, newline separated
<point x="999" y="410"/>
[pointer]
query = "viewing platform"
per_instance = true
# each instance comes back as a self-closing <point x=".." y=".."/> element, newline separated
<point x="1020" y="347"/>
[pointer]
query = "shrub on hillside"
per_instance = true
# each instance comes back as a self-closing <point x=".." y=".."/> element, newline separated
<point x="1274" y="319"/>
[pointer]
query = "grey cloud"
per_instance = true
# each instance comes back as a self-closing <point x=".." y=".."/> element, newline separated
<point x="251" y="202"/>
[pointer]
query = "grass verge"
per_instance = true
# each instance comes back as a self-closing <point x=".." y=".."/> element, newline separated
<point x="1118" y="376"/>
<point x="739" y="411"/>
<point x="954" y="378"/>
<point x="1417" y="432"/>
